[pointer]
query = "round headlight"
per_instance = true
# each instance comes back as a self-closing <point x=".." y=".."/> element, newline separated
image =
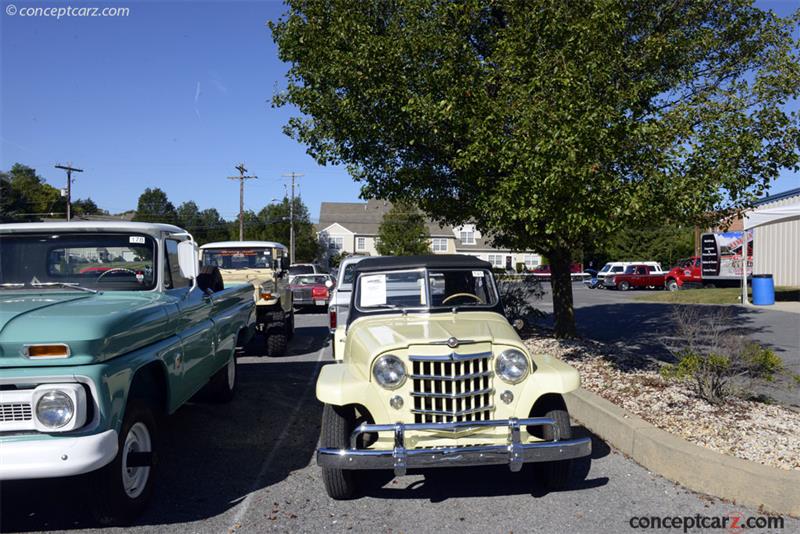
<point x="55" y="409"/>
<point x="389" y="371"/>
<point x="511" y="366"/>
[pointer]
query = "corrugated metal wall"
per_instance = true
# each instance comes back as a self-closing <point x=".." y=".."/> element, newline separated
<point x="777" y="248"/>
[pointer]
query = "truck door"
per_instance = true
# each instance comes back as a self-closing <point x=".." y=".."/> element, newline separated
<point x="195" y="328"/>
<point x="640" y="277"/>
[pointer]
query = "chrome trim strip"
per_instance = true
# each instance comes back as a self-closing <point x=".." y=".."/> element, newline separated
<point x="452" y="395"/>
<point x="452" y="357"/>
<point x="460" y="342"/>
<point x="457" y="378"/>
<point x="470" y="411"/>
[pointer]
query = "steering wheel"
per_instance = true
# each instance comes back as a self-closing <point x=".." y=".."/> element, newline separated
<point x="123" y="269"/>
<point x="470" y="295"/>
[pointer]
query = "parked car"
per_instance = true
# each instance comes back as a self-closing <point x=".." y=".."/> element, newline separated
<point x="636" y="276"/>
<point x="262" y="264"/>
<point x="312" y="290"/>
<point x="432" y="374"/>
<point x="92" y="358"/>
<point x="544" y="271"/>
<point x="340" y="300"/>
<point x="688" y="272"/>
<point x="304" y="268"/>
<point x="613" y="268"/>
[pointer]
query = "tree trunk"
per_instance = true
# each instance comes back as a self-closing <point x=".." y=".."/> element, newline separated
<point x="561" y="284"/>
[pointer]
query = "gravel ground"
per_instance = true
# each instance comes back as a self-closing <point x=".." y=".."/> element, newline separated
<point x="767" y="434"/>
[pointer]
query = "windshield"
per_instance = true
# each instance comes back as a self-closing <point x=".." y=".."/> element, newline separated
<point x="123" y="262"/>
<point x="301" y="269"/>
<point x="606" y="268"/>
<point x="441" y="288"/>
<point x="305" y="280"/>
<point x="238" y="258"/>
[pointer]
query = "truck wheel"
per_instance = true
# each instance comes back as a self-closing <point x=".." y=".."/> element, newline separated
<point x="276" y="342"/>
<point x="556" y="475"/>
<point x="222" y="386"/>
<point x="624" y="286"/>
<point x="120" y="490"/>
<point x="672" y="285"/>
<point x="338" y="422"/>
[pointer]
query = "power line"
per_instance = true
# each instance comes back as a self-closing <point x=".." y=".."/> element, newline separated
<point x="242" y="177"/>
<point x="293" y="175"/>
<point x="70" y="169"/>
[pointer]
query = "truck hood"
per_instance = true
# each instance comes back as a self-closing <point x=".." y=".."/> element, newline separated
<point x="375" y="335"/>
<point x="96" y="327"/>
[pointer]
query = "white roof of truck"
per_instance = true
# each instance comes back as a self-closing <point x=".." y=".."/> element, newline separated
<point x="244" y="244"/>
<point x="92" y="226"/>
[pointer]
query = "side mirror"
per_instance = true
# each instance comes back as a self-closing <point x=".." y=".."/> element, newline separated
<point x="518" y="324"/>
<point x="187" y="259"/>
<point x="329" y="283"/>
<point x="284" y="263"/>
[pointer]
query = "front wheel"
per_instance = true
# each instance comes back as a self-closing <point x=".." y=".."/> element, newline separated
<point x="672" y="285"/>
<point x="556" y="475"/>
<point x="338" y="422"/>
<point x="119" y="491"/>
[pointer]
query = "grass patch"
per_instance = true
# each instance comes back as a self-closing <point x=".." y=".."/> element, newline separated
<point x="724" y="295"/>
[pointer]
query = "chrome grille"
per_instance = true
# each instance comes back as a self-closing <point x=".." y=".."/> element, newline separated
<point x="15" y="411"/>
<point x="452" y="388"/>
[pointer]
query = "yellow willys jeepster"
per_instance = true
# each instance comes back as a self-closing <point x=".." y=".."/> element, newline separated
<point x="430" y="373"/>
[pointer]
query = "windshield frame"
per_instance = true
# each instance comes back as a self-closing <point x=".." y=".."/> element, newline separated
<point x="428" y="308"/>
<point x="150" y="239"/>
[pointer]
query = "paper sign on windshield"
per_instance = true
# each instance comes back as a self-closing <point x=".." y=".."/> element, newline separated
<point x="373" y="289"/>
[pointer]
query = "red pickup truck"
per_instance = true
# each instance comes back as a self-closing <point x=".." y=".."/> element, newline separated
<point x="636" y="275"/>
<point x="687" y="272"/>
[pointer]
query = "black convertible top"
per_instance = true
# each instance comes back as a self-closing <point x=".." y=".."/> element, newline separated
<point x="432" y="261"/>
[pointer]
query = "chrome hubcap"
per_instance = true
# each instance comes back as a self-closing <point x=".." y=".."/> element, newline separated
<point x="134" y="479"/>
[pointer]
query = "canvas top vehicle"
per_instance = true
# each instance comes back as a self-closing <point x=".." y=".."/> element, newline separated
<point x="264" y="265"/>
<point x="432" y="374"/>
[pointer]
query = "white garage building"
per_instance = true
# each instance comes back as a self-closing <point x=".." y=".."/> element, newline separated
<point x="775" y="223"/>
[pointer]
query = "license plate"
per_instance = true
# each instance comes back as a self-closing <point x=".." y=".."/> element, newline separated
<point x="319" y="302"/>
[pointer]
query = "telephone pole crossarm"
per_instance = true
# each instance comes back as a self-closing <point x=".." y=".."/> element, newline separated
<point x="242" y="177"/>
<point x="70" y="169"/>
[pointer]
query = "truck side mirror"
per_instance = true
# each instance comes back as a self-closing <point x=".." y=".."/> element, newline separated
<point x="187" y="259"/>
<point x="284" y="263"/>
<point x="329" y="283"/>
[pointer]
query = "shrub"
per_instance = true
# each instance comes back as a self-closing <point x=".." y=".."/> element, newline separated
<point x="716" y="360"/>
<point x="518" y="297"/>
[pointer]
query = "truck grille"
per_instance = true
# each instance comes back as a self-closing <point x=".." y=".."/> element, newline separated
<point x="16" y="411"/>
<point x="452" y="388"/>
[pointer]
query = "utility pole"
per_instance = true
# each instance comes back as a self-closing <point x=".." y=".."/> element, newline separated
<point x="242" y="177"/>
<point x="293" y="175"/>
<point x="70" y="169"/>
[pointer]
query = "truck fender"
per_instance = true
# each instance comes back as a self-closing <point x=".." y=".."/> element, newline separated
<point x="552" y="376"/>
<point x="338" y="385"/>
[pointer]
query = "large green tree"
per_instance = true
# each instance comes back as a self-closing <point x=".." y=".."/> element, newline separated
<point x="154" y="206"/>
<point x="547" y="123"/>
<point x="402" y="232"/>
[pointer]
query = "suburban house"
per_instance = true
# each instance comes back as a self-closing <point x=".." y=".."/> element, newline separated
<point x="352" y="227"/>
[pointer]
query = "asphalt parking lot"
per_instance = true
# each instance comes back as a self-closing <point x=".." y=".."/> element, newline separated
<point x="616" y="317"/>
<point x="248" y="466"/>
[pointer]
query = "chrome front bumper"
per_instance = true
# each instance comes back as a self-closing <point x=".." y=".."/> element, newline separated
<point x="401" y="459"/>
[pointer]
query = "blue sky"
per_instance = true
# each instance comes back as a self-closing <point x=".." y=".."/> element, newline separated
<point x="174" y="96"/>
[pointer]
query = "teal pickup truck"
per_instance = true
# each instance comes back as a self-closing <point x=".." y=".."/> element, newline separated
<point x="106" y="327"/>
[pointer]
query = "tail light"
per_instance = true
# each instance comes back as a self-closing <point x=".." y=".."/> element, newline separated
<point x="319" y="292"/>
<point x="332" y="318"/>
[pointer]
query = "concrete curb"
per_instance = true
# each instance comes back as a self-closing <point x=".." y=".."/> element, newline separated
<point x="758" y="486"/>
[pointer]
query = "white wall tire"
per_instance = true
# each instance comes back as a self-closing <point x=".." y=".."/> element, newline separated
<point x="222" y="386"/>
<point x="134" y="478"/>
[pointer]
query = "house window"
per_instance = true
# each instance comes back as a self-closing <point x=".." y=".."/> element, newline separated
<point x="496" y="260"/>
<point x="361" y="243"/>
<point x="531" y="261"/>
<point x="335" y="243"/>
<point x="439" y="244"/>
<point x="468" y="237"/>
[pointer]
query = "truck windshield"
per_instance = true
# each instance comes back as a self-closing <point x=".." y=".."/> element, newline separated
<point x="441" y="288"/>
<point x="238" y="258"/>
<point x="106" y="261"/>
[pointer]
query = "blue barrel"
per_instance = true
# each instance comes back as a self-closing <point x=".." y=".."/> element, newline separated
<point x="763" y="290"/>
